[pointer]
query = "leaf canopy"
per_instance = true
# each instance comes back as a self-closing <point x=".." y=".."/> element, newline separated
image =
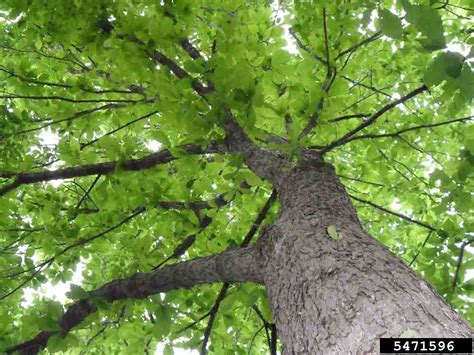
<point x="91" y="82"/>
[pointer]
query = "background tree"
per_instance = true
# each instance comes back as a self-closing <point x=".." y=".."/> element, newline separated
<point x="174" y="151"/>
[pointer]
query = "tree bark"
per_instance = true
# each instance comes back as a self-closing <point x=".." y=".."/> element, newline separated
<point x="332" y="296"/>
<point x="234" y="265"/>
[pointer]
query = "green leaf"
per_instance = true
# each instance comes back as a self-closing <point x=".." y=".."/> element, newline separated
<point x="101" y="303"/>
<point x="445" y="66"/>
<point x="408" y="333"/>
<point x="75" y="81"/>
<point x="56" y="343"/>
<point x="77" y="293"/>
<point x="168" y="350"/>
<point x="466" y="82"/>
<point x="390" y="24"/>
<point x="38" y="44"/>
<point x="428" y="21"/>
<point x="334" y="233"/>
<point x="265" y="308"/>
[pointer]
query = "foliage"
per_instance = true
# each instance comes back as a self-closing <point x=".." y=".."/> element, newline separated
<point x="99" y="76"/>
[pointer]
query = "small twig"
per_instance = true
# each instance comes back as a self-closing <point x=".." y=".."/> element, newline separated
<point x="347" y="117"/>
<point x="422" y="246"/>
<point x="106" y="324"/>
<point x="360" y="44"/>
<point x="373" y="118"/>
<point x="397" y="133"/>
<point x="326" y="43"/>
<point x="86" y="195"/>
<point x="254" y="336"/>
<point x="222" y="293"/>
<point x="370" y="87"/>
<point x="31" y="277"/>
<point x="179" y="250"/>
<point x="458" y="266"/>
<point x="67" y="119"/>
<point x="362" y="181"/>
<point x="306" y="48"/>
<point x="66" y="99"/>
<point x="84" y="145"/>
<point x="399" y="215"/>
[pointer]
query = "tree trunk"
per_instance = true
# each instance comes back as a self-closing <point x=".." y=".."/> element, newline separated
<point x="332" y="296"/>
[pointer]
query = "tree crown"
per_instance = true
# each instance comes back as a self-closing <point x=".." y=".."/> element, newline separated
<point x="114" y="157"/>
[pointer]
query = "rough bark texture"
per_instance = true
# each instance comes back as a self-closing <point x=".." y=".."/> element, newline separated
<point x="340" y="296"/>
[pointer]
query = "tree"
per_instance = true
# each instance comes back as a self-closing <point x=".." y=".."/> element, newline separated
<point x="219" y="189"/>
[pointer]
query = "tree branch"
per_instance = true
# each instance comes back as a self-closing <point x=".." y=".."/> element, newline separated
<point x="235" y="265"/>
<point x="70" y="118"/>
<point x="225" y="287"/>
<point x="360" y="44"/>
<point x="67" y="86"/>
<point x="185" y="43"/>
<point x="326" y="43"/>
<point x="458" y="266"/>
<point x="331" y="73"/>
<point x="67" y="99"/>
<point x="347" y="117"/>
<point x="313" y="121"/>
<point x="180" y="73"/>
<point x="373" y="118"/>
<point x="394" y="134"/>
<point x="189" y="48"/>
<point x="266" y="163"/>
<point x="84" y="145"/>
<point x="146" y="162"/>
<point x="360" y="83"/>
<point x="399" y="215"/>
<point x="306" y="48"/>
<point x="422" y="246"/>
<point x="3" y="46"/>
<point x="212" y="316"/>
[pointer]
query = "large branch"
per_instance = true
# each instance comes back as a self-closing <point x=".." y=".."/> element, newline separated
<point x="146" y="162"/>
<point x="171" y="65"/>
<point x="344" y="139"/>
<point x="235" y="265"/>
<point x="266" y="163"/>
<point x="35" y="270"/>
<point x="180" y="73"/>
